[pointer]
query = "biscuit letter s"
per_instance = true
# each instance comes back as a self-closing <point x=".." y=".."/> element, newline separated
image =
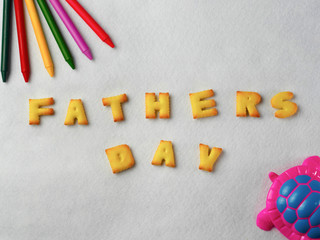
<point x="207" y="157"/>
<point x="76" y="111"/>
<point x="247" y="101"/>
<point x="120" y="158"/>
<point x="287" y="108"/>
<point x="35" y="110"/>
<point x="200" y="107"/>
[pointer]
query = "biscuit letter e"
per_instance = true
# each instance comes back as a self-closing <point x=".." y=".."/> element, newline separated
<point x="163" y="105"/>
<point x="247" y="101"/>
<point x="120" y="158"/>
<point x="203" y="108"/>
<point x="35" y="110"/>
<point x="287" y="108"/>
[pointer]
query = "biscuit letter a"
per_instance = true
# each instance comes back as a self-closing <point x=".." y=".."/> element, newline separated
<point x="115" y="104"/>
<point x="247" y="101"/>
<point x="120" y="158"/>
<point x="287" y="108"/>
<point x="164" y="153"/>
<point x="35" y="110"/>
<point x="207" y="157"/>
<point x="203" y="108"/>
<point x="76" y="111"/>
<point x="163" y="105"/>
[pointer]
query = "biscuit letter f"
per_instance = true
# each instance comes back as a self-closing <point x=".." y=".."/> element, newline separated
<point x="35" y="110"/>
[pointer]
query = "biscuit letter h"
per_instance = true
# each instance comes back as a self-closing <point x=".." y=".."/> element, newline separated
<point x="163" y="105"/>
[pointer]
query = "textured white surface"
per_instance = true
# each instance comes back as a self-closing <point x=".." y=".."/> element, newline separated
<point x="55" y="180"/>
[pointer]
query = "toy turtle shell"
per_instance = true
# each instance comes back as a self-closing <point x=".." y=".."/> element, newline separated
<point x="293" y="202"/>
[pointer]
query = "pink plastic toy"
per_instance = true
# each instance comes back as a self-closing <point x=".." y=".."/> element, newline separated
<point x="293" y="202"/>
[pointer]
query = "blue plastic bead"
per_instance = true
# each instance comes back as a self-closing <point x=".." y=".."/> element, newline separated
<point x="290" y="215"/>
<point x="287" y="187"/>
<point x="314" y="233"/>
<point x="303" y="178"/>
<point x="298" y="195"/>
<point x="309" y="205"/>
<point x="302" y="226"/>
<point x="281" y="204"/>
<point x="315" y="185"/>
<point x="315" y="218"/>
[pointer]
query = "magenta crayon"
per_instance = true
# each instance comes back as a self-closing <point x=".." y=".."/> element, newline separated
<point x="71" y="28"/>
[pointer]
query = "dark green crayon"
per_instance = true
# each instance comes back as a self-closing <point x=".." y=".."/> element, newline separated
<point x="56" y="32"/>
<point x="6" y="32"/>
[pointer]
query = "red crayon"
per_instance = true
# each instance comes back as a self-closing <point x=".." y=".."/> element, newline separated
<point x="22" y="38"/>
<point x="91" y="22"/>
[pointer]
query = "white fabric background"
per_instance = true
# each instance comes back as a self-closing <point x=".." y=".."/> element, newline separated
<point x="55" y="180"/>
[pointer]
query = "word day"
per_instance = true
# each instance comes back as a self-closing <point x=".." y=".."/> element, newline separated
<point x="246" y="105"/>
<point x="121" y="158"/>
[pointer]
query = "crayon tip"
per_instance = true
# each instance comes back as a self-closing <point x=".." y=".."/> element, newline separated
<point x="88" y="54"/>
<point x="26" y="76"/>
<point x="109" y="42"/>
<point x="50" y="71"/>
<point x="4" y="76"/>
<point x="71" y="63"/>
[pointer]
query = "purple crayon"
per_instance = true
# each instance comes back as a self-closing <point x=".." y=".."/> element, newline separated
<point x="71" y="28"/>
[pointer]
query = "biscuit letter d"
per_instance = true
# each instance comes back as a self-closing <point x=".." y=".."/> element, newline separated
<point x="164" y="153"/>
<point x="203" y="108"/>
<point x="207" y="157"/>
<point x="76" y="111"/>
<point x="120" y="158"/>
<point x="247" y="101"/>
<point x="163" y="105"/>
<point x="35" y="110"/>
<point x="287" y="108"/>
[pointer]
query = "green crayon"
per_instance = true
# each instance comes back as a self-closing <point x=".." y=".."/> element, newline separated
<point x="56" y="32"/>
<point x="6" y="32"/>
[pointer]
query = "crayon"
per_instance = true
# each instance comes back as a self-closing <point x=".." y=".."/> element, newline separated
<point x="56" y="32"/>
<point x="71" y="28"/>
<point x="43" y="46"/>
<point x="91" y="22"/>
<point x="22" y="40"/>
<point x="6" y="29"/>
